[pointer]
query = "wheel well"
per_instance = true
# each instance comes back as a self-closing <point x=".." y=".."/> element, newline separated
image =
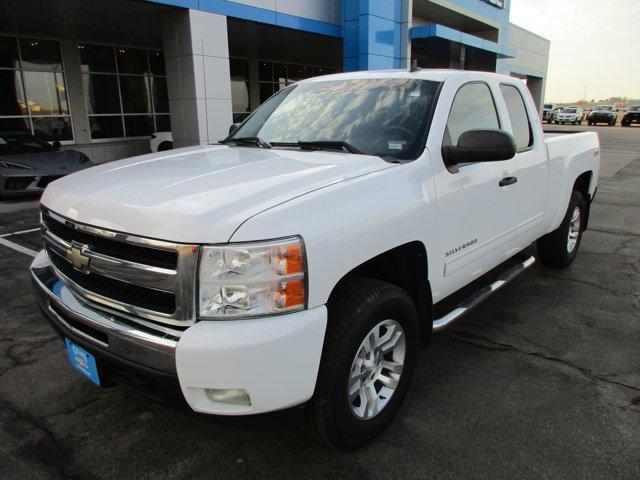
<point x="582" y="185"/>
<point x="404" y="266"/>
<point x="165" y="145"/>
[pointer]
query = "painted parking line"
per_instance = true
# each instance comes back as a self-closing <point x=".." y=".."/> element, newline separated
<point x="20" y="232"/>
<point x="17" y="248"/>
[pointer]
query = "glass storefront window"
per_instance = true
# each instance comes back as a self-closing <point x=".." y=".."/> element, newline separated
<point x="46" y="93"/>
<point x="125" y="90"/>
<point x="97" y="58"/>
<point x="40" y="54"/>
<point x="132" y="60"/>
<point x="32" y="80"/>
<point x="14" y="124"/>
<point x="106" y="127"/>
<point x="101" y="93"/>
<point x="135" y="94"/>
<point x="12" y="100"/>
<point x="240" y="89"/>
<point x="156" y="62"/>
<point x="8" y="52"/>
<point x="52" y="127"/>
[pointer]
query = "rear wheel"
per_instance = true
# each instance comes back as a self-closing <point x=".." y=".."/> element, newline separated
<point x="559" y="248"/>
<point x="367" y="363"/>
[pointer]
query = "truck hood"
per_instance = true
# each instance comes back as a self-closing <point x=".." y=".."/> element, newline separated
<point x="198" y="194"/>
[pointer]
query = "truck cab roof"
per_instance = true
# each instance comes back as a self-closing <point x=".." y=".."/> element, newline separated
<point x="435" y="75"/>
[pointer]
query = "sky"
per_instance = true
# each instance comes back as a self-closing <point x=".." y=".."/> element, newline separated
<point x="593" y="42"/>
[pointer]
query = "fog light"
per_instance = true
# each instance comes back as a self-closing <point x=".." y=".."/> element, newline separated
<point x="234" y="396"/>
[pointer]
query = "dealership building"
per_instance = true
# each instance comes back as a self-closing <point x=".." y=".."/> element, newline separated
<point x="102" y="75"/>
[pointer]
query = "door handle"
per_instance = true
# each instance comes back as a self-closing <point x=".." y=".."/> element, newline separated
<point x="507" y="181"/>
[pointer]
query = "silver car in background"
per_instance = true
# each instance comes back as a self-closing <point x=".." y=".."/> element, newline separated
<point x="29" y="163"/>
<point x="568" y="115"/>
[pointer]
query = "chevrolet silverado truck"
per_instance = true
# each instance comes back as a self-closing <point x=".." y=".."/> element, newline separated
<point x="298" y="264"/>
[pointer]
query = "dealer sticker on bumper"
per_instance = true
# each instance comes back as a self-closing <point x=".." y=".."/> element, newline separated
<point x="82" y="361"/>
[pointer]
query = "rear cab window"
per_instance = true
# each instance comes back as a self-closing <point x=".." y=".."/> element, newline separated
<point x="520" y="123"/>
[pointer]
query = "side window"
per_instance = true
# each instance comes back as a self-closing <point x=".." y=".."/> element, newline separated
<point x="472" y="108"/>
<point x="518" y="116"/>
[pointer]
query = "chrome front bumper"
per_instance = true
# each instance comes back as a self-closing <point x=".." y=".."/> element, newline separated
<point x="104" y="331"/>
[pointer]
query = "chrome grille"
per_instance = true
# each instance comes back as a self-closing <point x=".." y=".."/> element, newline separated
<point x="144" y="278"/>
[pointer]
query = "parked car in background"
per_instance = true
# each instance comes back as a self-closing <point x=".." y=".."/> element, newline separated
<point x="603" y="114"/>
<point x="548" y="112"/>
<point x="569" y="115"/>
<point x="632" y="116"/>
<point x="161" y="141"/>
<point x="29" y="163"/>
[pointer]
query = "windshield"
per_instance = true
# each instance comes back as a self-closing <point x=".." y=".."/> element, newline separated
<point x="569" y="110"/>
<point x="635" y="108"/>
<point x="11" y="144"/>
<point x="548" y="106"/>
<point x="382" y="117"/>
<point x="604" y="108"/>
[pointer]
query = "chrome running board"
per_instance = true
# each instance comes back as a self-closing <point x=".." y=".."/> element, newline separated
<point x="480" y="295"/>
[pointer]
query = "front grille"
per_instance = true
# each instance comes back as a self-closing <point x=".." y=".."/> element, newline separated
<point x="119" y="272"/>
<point x="135" y="295"/>
<point x="114" y="248"/>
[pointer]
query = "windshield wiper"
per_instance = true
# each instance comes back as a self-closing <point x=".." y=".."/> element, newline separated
<point x="249" y="141"/>
<point x="320" y="145"/>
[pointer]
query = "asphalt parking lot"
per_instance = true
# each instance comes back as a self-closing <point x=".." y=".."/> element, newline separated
<point x="541" y="381"/>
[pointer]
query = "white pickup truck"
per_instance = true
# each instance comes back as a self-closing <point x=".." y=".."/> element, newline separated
<point x="300" y="261"/>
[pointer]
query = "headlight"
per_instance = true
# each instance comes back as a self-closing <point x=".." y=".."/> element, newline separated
<point x="243" y="280"/>
<point x="5" y="164"/>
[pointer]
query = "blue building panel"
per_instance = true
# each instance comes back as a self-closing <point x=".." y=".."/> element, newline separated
<point x="389" y="9"/>
<point x="440" y="31"/>
<point x="379" y="36"/>
<point x="256" y="14"/>
<point x="371" y="29"/>
<point x="378" y="42"/>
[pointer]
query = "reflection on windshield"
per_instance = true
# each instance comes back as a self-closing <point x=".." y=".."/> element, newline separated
<point x="385" y="117"/>
<point x="14" y="144"/>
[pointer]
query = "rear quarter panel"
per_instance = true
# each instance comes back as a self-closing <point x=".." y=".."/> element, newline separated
<point x="570" y="155"/>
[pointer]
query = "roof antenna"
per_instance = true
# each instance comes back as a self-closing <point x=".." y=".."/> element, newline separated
<point x="414" y="66"/>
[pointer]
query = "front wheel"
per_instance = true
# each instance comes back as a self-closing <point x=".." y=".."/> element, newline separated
<point x="559" y="248"/>
<point x="367" y="363"/>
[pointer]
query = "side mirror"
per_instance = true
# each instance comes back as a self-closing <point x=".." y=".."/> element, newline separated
<point x="233" y="127"/>
<point x="56" y="145"/>
<point x="482" y="145"/>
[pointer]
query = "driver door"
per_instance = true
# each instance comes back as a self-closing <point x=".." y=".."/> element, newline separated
<point x="476" y="211"/>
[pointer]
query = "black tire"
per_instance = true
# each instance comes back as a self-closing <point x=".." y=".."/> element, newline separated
<point x="553" y="250"/>
<point x="354" y="310"/>
<point x="164" y="146"/>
